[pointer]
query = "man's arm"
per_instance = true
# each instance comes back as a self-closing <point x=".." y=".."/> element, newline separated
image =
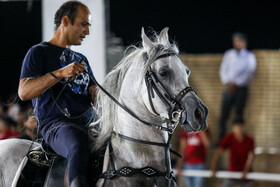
<point x="30" y="88"/>
<point x="205" y="139"/>
<point x="223" y="72"/>
<point x="93" y="90"/>
<point x="248" y="164"/>
<point x="247" y="72"/>
<point x="215" y="161"/>
<point x="182" y="149"/>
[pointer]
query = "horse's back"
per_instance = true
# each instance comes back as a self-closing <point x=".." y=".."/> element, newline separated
<point x="12" y="151"/>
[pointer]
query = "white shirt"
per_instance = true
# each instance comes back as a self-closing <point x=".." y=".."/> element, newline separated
<point x="238" y="67"/>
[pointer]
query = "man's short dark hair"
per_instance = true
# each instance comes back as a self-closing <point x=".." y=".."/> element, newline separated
<point x="238" y="121"/>
<point x="239" y="35"/>
<point x="69" y="9"/>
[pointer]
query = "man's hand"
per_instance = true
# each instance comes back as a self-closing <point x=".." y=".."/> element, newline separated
<point x="244" y="175"/>
<point x="231" y="87"/>
<point x="71" y="70"/>
<point x="179" y="172"/>
<point x="214" y="172"/>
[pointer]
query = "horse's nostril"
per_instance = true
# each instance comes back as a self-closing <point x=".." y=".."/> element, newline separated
<point x="197" y="113"/>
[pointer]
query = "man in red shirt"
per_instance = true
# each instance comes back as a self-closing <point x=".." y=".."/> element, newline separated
<point x="193" y="147"/>
<point x="241" y="155"/>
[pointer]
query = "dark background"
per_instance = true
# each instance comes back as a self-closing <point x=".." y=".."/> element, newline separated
<point x="20" y="29"/>
<point x="197" y="27"/>
<point x="200" y="26"/>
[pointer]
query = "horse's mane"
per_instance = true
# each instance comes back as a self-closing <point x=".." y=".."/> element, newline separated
<point x="106" y="108"/>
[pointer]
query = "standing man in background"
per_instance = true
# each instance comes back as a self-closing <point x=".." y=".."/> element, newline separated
<point x="237" y="68"/>
<point x="58" y="81"/>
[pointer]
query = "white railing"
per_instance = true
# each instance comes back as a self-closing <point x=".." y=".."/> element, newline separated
<point x="267" y="150"/>
<point x="232" y="175"/>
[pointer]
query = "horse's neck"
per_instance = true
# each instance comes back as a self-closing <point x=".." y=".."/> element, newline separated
<point x="139" y="155"/>
<point x="132" y="153"/>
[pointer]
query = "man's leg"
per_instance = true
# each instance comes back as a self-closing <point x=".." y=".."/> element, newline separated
<point x="240" y="101"/>
<point x="227" y="101"/>
<point x="71" y="142"/>
<point x="186" y="179"/>
<point x="229" y="183"/>
<point x="198" y="181"/>
<point x="247" y="184"/>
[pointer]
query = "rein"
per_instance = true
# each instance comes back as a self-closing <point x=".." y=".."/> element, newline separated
<point x="158" y="127"/>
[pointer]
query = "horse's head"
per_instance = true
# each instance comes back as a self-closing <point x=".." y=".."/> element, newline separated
<point x="168" y="93"/>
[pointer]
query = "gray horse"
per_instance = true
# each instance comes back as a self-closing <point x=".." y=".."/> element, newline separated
<point x="151" y="84"/>
<point x="148" y="82"/>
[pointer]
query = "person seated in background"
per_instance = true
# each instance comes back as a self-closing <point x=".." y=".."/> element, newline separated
<point x="8" y="128"/>
<point x="241" y="156"/>
<point x="193" y="147"/>
<point x="30" y="129"/>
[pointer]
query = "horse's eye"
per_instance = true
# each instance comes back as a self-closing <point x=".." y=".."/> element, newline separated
<point x="162" y="73"/>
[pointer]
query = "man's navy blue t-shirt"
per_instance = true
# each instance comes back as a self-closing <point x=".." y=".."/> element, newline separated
<point x="74" y="99"/>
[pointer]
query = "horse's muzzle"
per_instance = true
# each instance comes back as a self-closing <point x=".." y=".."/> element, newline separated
<point x="194" y="118"/>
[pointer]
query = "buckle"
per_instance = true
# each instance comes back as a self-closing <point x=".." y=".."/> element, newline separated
<point x="39" y="158"/>
<point x="109" y="174"/>
<point x="169" y="178"/>
<point x="176" y="115"/>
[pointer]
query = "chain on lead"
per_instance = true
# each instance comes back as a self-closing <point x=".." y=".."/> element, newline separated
<point x="176" y="117"/>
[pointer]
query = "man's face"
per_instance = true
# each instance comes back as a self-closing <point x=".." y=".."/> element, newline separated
<point x="239" y="43"/>
<point x="80" y="28"/>
<point x="238" y="129"/>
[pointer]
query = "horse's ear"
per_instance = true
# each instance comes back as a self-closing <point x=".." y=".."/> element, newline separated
<point x="163" y="37"/>
<point x="146" y="42"/>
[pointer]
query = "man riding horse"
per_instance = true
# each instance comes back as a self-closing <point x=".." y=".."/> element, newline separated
<point x="57" y="80"/>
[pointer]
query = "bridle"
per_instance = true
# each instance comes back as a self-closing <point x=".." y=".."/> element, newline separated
<point x="174" y="112"/>
<point x="175" y="108"/>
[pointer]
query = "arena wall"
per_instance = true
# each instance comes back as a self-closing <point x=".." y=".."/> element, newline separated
<point x="263" y="105"/>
